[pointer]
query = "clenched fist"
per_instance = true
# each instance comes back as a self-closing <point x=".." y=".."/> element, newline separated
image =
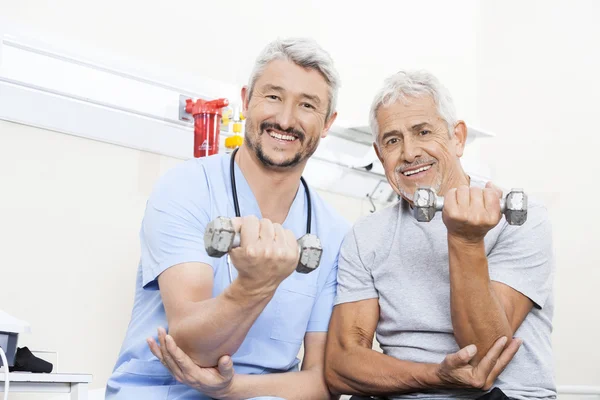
<point x="470" y="212"/>
<point x="267" y="253"/>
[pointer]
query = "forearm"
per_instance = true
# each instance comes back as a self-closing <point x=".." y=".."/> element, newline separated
<point x="478" y="316"/>
<point x="217" y="326"/>
<point x="363" y="371"/>
<point x="308" y="384"/>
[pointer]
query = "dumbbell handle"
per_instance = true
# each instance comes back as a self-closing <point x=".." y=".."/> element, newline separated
<point x="439" y="204"/>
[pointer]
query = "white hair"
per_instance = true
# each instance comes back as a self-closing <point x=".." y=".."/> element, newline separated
<point x="404" y="84"/>
<point x="305" y="53"/>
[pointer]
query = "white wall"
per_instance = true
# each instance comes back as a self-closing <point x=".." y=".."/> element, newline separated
<point x="539" y="90"/>
<point x="221" y="40"/>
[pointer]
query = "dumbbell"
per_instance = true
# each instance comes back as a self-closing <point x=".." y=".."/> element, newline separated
<point x="427" y="203"/>
<point x="220" y="238"/>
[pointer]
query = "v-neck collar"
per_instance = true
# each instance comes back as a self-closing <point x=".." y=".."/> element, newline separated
<point x="249" y="204"/>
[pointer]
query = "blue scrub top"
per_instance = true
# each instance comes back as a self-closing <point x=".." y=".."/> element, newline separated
<point x="183" y="202"/>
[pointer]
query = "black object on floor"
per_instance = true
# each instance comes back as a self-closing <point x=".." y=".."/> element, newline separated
<point x="25" y="361"/>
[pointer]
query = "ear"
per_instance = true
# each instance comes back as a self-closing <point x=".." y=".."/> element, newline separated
<point x="245" y="99"/>
<point x="460" y="137"/>
<point x="328" y="124"/>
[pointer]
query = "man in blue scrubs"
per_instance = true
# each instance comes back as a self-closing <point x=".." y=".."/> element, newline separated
<point x="243" y="332"/>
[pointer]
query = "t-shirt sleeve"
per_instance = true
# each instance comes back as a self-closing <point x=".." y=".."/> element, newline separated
<point x="173" y="226"/>
<point x="321" y="312"/>
<point x="355" y="281"/>
<point x="523" y="258"/>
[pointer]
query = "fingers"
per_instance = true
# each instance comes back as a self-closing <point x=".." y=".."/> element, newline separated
<point x="491" y="201"/>
<point x="154" y="349"/>
<point x="291" y="241"/>
<point x="237" y="223"/>
<point x="167" y="359"/>
<point x="249" y="231"/>
<point x="476" y="201"/>
<point x="489" y="360"/>
<point x="504" y="359"/>
<point x="279" y="233"/>
<point x="280" y="240"/>
<point x="462" y="357"/>
<point x="463" y="197"/>
<point x="267" y="232"/>
<point x="225" y="367"/>
<point x="450" y="200"/>
<point x="494" y="188"/>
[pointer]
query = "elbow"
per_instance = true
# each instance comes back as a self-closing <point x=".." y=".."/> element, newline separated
<point x="333" y="376"/>
<point x="188" y="344"/>
<point x="334" y="382"/>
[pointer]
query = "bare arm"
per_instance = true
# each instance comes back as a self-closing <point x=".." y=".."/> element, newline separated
<point x="309" y="383"/>
<point x="208" y="328"/>
<point x="353" y="367"/>
<point x="223" y="321"/>
<point x="482" y="310"/>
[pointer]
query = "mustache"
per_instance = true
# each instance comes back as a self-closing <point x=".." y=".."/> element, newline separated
<point x="415" y="164"/>
<point x="274" y="126"/>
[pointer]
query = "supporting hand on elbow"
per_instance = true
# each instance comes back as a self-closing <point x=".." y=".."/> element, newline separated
<point x="457" y="372"/>
<point x="216" y="382"/>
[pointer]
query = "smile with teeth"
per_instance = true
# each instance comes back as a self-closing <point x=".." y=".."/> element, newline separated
<point x="280" y="136"/>
<point x="416" y="171"/>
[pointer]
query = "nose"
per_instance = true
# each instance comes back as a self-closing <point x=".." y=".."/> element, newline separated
<point x="286" y="117"/>
<point x="411" y="150"/>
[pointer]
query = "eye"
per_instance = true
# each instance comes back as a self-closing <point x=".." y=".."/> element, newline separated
<point x="273" y="97"/>
<point x="392" y="141"/>
<point x="308" y="105"/>
<point x="424" y="132"/>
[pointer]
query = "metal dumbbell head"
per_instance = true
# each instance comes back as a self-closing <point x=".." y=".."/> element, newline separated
<point x="424" y="204"/>
<point x="310" y="253"/>
<point x="514" y="207"/>
<point x="219" y="237"/>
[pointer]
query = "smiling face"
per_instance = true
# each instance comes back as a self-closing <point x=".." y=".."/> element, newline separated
<point x="416" y="149"/>
<point x="286" y="114"/>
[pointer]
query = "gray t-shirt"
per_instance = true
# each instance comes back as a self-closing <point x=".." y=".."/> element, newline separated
<point x="404" y="263"/>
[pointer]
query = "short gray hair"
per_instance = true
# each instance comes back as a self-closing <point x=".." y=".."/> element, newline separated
<point x="416" y="83"/>
<point x="305" y="53"/>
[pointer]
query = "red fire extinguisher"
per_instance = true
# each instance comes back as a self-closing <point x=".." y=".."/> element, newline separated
<point x="207" y="124"/>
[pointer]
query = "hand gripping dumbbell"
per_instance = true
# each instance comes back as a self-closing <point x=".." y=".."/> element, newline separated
<point x="220" y="238"/>
<point x="427" y="203"/>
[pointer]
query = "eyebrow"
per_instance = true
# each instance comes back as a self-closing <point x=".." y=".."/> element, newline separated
<point x="390" y="133"/>
<point x="396" y="132"/>
<point x="419" y="126"/>
<point x="280" y="89"/>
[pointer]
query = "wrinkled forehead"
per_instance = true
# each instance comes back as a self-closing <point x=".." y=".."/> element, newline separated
<point x="294" y="80"/>
<point x="405" y="113"/>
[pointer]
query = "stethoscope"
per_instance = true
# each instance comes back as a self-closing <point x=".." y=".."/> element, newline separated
<point x="236" y="204"/>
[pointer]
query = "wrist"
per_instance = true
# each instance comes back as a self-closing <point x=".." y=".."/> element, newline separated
<point x="230" y="392"/>
<point x="433" y="377"/>
<point x="243" y="289"/>
<point x="465" y="242"/>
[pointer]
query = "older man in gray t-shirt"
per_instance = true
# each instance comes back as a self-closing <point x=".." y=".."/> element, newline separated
<point x="403" y="263"/>
<point x="432" y="290"/>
